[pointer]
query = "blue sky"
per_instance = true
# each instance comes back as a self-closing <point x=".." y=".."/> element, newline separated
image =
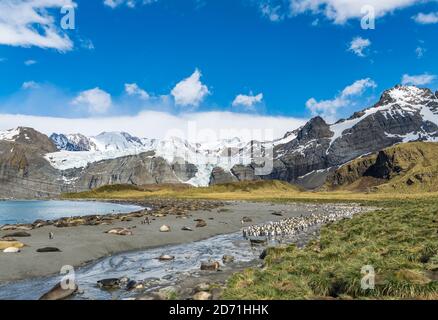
<point x="286" y="58"/>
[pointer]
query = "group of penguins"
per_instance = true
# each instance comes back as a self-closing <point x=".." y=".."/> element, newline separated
<point x="292" y="226"/>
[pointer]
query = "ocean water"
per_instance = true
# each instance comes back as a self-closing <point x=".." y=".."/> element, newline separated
<point x="12" y="212"/>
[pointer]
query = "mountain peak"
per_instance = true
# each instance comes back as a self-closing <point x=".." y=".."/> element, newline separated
<point x="314" y="129"/>
<point x="402" y="94"/>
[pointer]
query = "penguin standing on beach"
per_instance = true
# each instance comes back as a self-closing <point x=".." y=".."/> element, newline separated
<point x="51" y="235"/>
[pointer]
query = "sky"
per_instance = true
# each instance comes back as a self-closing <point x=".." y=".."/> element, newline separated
<point x="82" y="65"/>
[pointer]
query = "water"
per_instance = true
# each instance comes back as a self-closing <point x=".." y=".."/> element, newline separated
<point x="13" y="212"/>
<point x="143" y="266"/>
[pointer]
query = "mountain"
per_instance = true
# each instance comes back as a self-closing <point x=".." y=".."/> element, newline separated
<point x="24" y="172"/>
<point x="306" y="156"/>
<point x="403" y="113"/>
<point x="407" y="167"/>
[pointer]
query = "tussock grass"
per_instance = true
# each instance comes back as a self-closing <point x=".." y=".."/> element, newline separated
<point x="399" y="241"/>
<point x="279" y="191"/>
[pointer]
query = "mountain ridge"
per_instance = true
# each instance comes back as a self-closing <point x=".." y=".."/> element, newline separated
<point x="304" y="156"/>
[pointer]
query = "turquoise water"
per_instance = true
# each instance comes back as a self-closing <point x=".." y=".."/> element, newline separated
<point x="12" y="212"/>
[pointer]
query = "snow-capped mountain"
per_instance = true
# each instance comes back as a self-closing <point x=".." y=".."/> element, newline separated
<point x="113" y="145"/>
<point x="304" y="156"/>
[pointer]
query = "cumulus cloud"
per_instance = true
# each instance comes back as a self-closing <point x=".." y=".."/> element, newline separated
<point x="28" y="23"/>
<point x="358" y="45"/>
<point x="418" y="80"/>
<point x="328" y="108"/>
<point x="340" y="11"/>
<point x="132" y="89"/>
<point x="158" y="125"/>
<point x="247" y="101"/>
<point x="190" y="91"/>
<point x="96" y="100"/>
<point x="129" y="3"/>
<point x="30" y="85"/>
<point x="426" y="18"/>
<point x="30" y="62"/>
<point x="273" y="12"/>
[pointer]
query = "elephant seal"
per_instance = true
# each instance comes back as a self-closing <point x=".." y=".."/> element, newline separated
<point x="120" y="232"/>
<point x="18" y="234"/>
<point x="210" y="266"/>
<point x="48" y="249"/>
<point x="186" y="229"/>
<point x="201" y="223"/>
<point x="11" y="250"/>
<point x="112" y="283"/>
<point x="10" y="244"/>
<point x="166" y="257"/>
<point x="58" y="293"/>
<point x="227" y="259"/>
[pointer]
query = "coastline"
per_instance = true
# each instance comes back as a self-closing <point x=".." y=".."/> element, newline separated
<point x="84" y="244"/>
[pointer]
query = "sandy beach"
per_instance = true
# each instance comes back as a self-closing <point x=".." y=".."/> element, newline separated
<point x="83" y="244"/>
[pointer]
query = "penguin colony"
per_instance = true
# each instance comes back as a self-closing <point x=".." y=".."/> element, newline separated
<point x="295" y="225"/>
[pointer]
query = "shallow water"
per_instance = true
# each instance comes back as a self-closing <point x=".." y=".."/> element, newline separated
<point x="143" y="265"/>
<point x="13" y="212"/>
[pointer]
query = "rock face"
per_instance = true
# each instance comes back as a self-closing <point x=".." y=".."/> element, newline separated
<point x="406" y="167"/>
<point x="32" y="165"/>
<point x="402" y="114"/>
<point x="24" y="172"/>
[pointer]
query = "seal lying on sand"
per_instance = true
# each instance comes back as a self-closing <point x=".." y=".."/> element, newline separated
<point x="48" y="249"/>
<point x="120" y="232"/>
<point x="11" y="244"/>
<point x="58" y="293"/>
<point x="200" y="223"/>
<point x="164" y="228"/>
<point x="18" y="234"/>
<point x="11" y="250"/>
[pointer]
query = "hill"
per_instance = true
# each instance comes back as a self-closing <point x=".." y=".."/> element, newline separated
<point x="404" y="168"/>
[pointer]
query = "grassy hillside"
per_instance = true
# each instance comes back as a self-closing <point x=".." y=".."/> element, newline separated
<point x="404" y="168"/>
<point x="400" y="242"/>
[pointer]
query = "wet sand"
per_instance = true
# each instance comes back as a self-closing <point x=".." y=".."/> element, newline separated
<point x="83" y="244"/>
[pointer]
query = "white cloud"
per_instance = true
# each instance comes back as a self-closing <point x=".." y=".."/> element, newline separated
<point x="358" y="45"/>
<point x="28" y="23"/>
<point x="418" y="80"/>
<point x="272" y="12"/>
<point x="152" y="124"/>
<point x="30" y="85"/>
<point x="96" y="100"/>
<point x="248" y="101"/>
<point x="340" y="11"/>
<point x="190" y="91"/>
<point x="132" y="89"/>
<point x="426" y="18"/>
<point x="29" y="62"/>
<point x="328" y="108"/>
<point x="129" y="3"/>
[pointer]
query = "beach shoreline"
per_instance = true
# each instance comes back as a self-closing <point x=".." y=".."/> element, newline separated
<point x="84" y="244"/>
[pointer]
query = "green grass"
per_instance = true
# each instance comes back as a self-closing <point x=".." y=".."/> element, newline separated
<point x="399" y="241"/>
